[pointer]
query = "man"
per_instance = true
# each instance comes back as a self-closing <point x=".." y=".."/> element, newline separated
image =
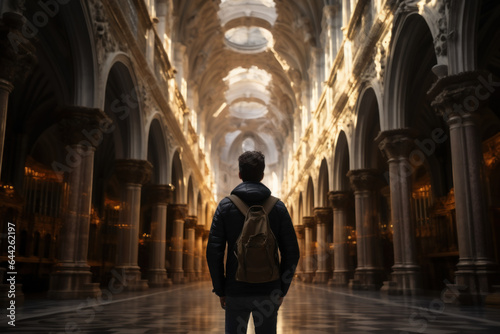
<point x="239" y="299"/>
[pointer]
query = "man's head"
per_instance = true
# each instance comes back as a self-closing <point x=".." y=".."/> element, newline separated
<point x="252" y="164"/>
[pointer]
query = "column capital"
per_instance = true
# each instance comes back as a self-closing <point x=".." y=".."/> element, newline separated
<point x="178" y="211"/>
<point x="82" y="125"/>
<point x="397" y="143"/>
<point x="340" y="199"/>
<point x="323" y="215"/>
<point x="159" y="193"/>
<point x="365" y="179"/>
<point x="199" y="230"/>
<point x="309" y="221"/>
<point x="17" y="53"/>
<point x="190" y="222"/>
<point x="299" y="230"/>
<point x="462" y="95"/>
<point x="133" y="171"/>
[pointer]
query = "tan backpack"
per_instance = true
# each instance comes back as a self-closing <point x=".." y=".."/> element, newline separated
<point x="256" y="247"/>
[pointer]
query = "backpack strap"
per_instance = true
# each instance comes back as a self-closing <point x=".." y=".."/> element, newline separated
<point x="269" y="204"/>
<point x="239" y="204"/>
<point x="243" y="207"/>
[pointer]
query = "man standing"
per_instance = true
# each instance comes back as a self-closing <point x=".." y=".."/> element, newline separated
<point x="238" y="298"/>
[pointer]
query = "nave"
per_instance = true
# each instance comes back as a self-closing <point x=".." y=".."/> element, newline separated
<point x="308" y="309"/>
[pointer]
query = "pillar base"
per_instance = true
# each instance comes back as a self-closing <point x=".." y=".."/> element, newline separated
<point x="190" y="276"/>
<point x="321" y="277"/>
<point x="178" y="277"/>
<point x="132" y="279"/>
<point x="308" y="277"/>
<point x="340" y="279"/>
<point x="72" y="282"/>
<point x="390" y="288"/>
<point x="408" y="280"/>
<point x="473" y="283"/>
<point x="368" y="279"/>
<point x="157" y="278"/>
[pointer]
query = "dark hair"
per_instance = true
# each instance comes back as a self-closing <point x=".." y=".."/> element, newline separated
<point x="252" y="164"/>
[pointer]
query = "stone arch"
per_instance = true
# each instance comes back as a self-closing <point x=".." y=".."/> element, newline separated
<point x="341" y="163"/>
<point x="190" y="197"/>
<point x="323" y="184"/>
<point x="365" y="151"/>
<point x="412" y="44"/>
<point x="121" y="103"/>
<point x="309" y="202"/>
<point x="177" y="179"/>
<point x="157" y="152"/>
<point x="300" y="211"/>
<point x="199" y="210"/>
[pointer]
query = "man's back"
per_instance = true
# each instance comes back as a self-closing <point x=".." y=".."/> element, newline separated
<point x="226" y="227"/>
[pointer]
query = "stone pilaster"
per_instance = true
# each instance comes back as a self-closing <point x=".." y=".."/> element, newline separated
<point x="159" y="196"/>
<point x="397" y="145"/>
<point x="17" y="57"/>
<point x="131" y="174"/>
<point x="178" y="216"/>
<point x="300" y="232"/>
<point x="323" y="217"/>
<point x="198" y="260"/>
<point x="309" y="224"/>
<point x="71" y="277"/>
<point x="190" y="237"/>
<point x="460" y="99"/>
<point x="369" y="272"/>
<point x="340" y="201"/>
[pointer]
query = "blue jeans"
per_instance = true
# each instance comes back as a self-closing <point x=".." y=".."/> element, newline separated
<point x="264" y="311"/>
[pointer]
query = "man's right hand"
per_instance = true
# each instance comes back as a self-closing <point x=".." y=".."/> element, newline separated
<point x="222" y="302"/>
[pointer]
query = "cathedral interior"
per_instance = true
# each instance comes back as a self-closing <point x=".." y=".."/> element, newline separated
<point x="121" y="125"/>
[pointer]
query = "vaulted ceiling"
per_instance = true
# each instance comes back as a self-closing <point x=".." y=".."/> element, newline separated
<point x="246" y="62"/>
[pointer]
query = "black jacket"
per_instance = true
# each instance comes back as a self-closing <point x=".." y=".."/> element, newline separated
<point x="226" y="226"/>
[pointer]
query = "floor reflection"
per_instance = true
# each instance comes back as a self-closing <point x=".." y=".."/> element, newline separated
<point x="310" y="309"/>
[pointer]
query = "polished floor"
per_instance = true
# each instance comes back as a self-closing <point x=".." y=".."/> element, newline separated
<point x="309" y="309"/>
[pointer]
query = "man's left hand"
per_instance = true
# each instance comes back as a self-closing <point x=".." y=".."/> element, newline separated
<point x="223" y="302"/>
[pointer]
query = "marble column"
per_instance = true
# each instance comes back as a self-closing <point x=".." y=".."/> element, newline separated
<point x="190" y="236"/>
<point x="299" y="230"/>
<point x="71" y="277"/>
<point x="397" y="145"/>
<point x="309" y="224"/>
<point x="17" y="57"/>
<point x="205" y="271"/>
<point x="179" y="213"/>
<point x="198" y="260"/>
<point x="369" y="272"/>
<point x="131" y="174"/>
<point x="158" y="196"/>
<point x="460" y="99"/>
<point x="340" y="202"/>
<point x="323" y="217"/>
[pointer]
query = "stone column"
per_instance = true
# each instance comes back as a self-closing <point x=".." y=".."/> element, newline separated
<point x="190" y="236"/>
<point x="309" y="249"/>
<point x="131" y="174"/>
<point x="460" y="99"/>
<point x="323" y="217"/>
<point x="369" y="273"/>
<point x="17" y="57"/>
<point x="340" y="202"/>
<point x="179" y="212"/>
<point x="397" y="145"/>
<point x="299" y="230"/>
<point x="205" y="271"/>
<point x="159" y="196"/>
<point x="198" y="260"/>
<point x="71" y="277"/>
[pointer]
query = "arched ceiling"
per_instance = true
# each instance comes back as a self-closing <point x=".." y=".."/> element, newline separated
<point x="249" y="61"/>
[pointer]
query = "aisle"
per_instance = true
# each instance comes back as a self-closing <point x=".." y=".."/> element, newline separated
<point x="308" y="309"/>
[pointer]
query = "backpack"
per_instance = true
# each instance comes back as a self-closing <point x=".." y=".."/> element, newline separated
<point x="256" y="248"/>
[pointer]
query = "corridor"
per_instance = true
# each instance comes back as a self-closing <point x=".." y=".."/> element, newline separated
<point x="308" y="309"/>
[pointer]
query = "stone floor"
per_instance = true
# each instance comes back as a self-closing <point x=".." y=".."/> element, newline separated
<point x="192" y="308"/>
